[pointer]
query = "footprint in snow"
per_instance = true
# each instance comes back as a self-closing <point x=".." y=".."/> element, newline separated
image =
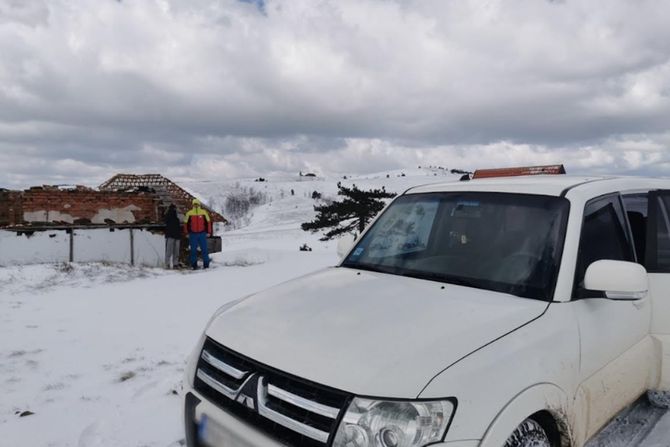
<point x="55" y="387"/>
<point x="32" y="364"/>
<point x="127" y="376"/>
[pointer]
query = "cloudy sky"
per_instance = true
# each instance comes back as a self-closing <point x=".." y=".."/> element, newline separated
<point x="230" y="88"/>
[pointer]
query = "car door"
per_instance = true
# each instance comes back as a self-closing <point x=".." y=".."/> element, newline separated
<point x="649" y="217"/>
<point x="657" y="262"/>
<point x="615" y="348"/>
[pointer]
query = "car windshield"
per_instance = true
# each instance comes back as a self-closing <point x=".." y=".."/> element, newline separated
<point x="508" y="243"/>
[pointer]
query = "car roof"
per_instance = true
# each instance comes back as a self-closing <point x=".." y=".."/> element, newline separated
<point x="551" y="185"/>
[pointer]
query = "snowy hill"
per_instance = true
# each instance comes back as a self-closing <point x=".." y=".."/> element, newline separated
<point x="287" y="201"/>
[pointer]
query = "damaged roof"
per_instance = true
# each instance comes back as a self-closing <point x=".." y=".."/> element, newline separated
<point x="167" y="191"/>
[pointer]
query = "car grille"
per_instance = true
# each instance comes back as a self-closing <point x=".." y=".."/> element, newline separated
<point x="290" y="410"/>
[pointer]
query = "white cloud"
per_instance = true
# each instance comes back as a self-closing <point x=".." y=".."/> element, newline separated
<point x="225" y="87"/>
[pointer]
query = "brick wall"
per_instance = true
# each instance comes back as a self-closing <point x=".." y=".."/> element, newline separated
<point x="4" y="207"/>
<point x="52" y="205"/>
<point x="11" y="211"/>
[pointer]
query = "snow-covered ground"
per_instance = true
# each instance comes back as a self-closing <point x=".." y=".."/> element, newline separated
<point x="97" y="352"/>
<point x="91" y="355"/>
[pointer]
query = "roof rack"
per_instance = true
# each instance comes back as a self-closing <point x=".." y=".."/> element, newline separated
<point x="522" y="170"/>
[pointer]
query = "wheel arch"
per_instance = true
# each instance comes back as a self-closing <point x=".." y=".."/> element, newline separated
<point x="545" y="403"/>
<point x="550" y="422"/>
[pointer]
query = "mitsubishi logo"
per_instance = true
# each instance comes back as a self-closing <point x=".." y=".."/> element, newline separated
<point x="246" y="393"/>
<point x="246" y="401"/>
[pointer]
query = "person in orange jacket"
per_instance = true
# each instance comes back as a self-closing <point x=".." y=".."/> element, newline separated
<point x="198" y="225"/>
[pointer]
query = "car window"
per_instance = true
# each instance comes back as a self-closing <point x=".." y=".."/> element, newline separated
<point x="637" y="211"/>
<point x="508" y="243"/>
<point x="659" y="242"/>
<point x="604" y="236"/>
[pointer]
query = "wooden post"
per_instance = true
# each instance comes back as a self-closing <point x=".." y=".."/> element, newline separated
<point x="71" y="244"/>
<point x="132" y="248"/>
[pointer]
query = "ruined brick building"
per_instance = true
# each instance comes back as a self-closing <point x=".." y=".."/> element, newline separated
<point x="121" y="221"/>
<point x="124" y="199"/>
<point x="54" y="206"/>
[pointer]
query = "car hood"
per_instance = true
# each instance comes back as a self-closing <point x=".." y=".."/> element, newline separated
<point x="368" y="333"/>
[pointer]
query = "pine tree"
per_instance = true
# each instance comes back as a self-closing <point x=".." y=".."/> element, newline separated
<point x="354" y="212"/>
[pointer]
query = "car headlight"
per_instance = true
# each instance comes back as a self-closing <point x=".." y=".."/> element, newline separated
<point x="373" y="423"/>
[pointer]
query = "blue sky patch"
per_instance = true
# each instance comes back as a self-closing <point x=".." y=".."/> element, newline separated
<point x="260" y="4"/>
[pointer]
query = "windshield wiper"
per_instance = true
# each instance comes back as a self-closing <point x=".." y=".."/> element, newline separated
<point x="369" y="268"/>
<point x="456" y="280"/>
<point x="433" y="276"/>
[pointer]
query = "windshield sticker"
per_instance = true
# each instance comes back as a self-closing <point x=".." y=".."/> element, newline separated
<point x="358" y="251"/>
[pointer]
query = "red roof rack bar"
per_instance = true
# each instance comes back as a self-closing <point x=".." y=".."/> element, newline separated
<point x="523" y="170"/>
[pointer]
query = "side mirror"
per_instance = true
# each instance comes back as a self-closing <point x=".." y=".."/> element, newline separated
<point x="620" y="280"/>
<point x="344" y="244"/>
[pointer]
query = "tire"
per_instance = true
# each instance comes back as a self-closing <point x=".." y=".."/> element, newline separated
<point x="528" y="434"/>
<point x="659" y="399"/>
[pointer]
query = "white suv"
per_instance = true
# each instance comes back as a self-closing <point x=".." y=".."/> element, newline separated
<point x="502" y="312"/>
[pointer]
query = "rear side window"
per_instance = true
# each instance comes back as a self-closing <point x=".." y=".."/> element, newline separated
<point x="604" y="236"/>
<point x="637" y="206"/>
<point x="658" y="239"/>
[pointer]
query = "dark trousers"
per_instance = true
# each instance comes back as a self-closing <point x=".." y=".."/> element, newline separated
<point x="198" y="240"/>
<point x="171" y="252"/>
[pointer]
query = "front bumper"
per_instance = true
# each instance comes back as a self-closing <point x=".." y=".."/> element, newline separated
<point x="235" y="433"/>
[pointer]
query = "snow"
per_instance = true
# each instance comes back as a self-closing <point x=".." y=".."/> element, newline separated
<point x="97" y="350"/>
<point x="660" y="435"/>
<point x="99" y="365"/>
<point x="659" y="399"/>
<point x="286" y="209"/>
<point x="630" y="427"/>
